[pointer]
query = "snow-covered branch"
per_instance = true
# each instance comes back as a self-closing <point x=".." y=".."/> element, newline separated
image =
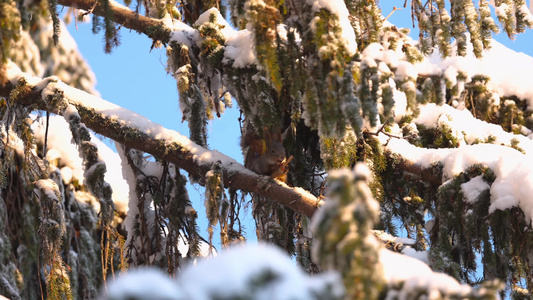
<point x="153" y="28"/>
<point x="135" y="131"/>
<point x="468" y="130"/>
<point x="512" y="186"/>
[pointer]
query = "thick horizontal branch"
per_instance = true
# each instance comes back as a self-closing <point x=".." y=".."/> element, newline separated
<point x="185" y="159"/>
<point x="153" y="28"/>
<point x="425" y="174"/>
<point x="181" y="151"/>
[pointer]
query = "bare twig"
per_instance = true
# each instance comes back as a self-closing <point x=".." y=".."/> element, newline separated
<point x="393" y="10"/>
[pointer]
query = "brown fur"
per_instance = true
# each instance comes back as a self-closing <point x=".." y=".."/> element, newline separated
<point x="265" y="156"/>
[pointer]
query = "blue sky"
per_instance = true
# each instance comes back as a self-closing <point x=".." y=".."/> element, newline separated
<point x="135" y="78"/>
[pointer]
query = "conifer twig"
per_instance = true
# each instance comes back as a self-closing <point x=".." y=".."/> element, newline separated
<point x="381" y="130"/>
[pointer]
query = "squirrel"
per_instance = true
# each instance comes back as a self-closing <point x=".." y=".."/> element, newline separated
<point x="265" y="156"/>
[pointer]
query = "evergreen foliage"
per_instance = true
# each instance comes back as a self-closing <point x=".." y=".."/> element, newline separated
<point x="334" y="81"/>
<point x="342" y="230"/>
<point x="162" y="218"/>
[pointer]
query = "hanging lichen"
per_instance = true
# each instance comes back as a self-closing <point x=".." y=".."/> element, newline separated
<point x="343" y="237"/>
<point x="263" y="17"/>
<point x="339" y="153"/>
<point x="214" y="198"/>
<point x="52" y="230"/>
<point x="9" y="29"/>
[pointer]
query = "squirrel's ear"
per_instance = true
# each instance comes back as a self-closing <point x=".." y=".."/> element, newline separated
<point x="285" y="133"/>
<point x="267" y="135"/>
<point x="276" y="135"/>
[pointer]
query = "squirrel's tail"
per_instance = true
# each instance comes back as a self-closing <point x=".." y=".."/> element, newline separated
<point x="252" y="146"/>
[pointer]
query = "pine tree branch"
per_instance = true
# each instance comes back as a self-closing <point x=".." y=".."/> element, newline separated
<point x="183" y="153"/>
<point x="430" y="175"/>
<point x="153" y="28"/>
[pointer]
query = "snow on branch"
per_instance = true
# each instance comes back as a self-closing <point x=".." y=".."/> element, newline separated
<point x="407" y="276"/>
<point x="469" y="130"/>
<point x="135" y="131"/>
<point x="513" y="185"/>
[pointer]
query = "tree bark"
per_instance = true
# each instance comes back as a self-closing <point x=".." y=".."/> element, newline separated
<point x="234" y="174"/>
<point x="405" y="165"/>
<point x="153" y="28"/>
